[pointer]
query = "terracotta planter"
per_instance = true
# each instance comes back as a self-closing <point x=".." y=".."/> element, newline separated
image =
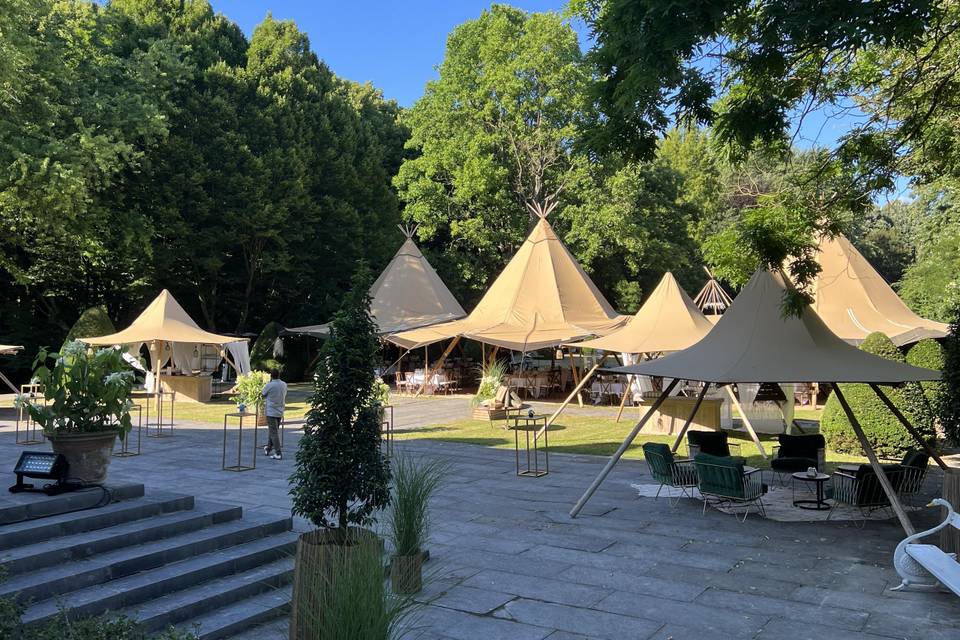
<point x="88" y="454"/>
<point x="406" y="573"/>
<point x="318" y="555"/>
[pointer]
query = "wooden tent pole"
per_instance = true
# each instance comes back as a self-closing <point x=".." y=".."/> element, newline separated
<point x="746" y="421"/>
<point x="875" y="463"/>
<point x="693" y="414"/>
<point x="563" y="406"/>
<point x="6" y="381"/>
<point x="493" y="354"/>
<point x="620" y="451"/>
<point x="626" y="392"/>
<point x="433" y="371"/>
<point x="576" y="377"/>
<point x="906" y="424"/>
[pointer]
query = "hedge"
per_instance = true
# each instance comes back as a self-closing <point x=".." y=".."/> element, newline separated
<point x="261" y="352"/>
<point x="92" y="323"/>
<point x="884" y="432"/>
<point x="928" y="354"/>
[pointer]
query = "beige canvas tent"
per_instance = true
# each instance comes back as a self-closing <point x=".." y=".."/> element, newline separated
<point x="754" y="342"/>
<point x="542" y="298"/>
<point x="172" y="335"/>
<point x="667" y="321"/>
<point x="407" y="295"/>
<point x="854" y="300"/>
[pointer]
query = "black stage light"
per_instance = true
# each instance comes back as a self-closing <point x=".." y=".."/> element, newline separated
<point x="43" y="466"/>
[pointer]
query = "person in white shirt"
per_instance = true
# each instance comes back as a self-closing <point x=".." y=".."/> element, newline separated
<point x="275" y="400"/>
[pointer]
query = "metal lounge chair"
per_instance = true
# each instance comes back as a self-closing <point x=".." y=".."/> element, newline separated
<point x="678" y="473"/>
<point x="727" y="480"/>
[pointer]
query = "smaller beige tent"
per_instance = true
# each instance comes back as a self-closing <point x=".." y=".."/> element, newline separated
<point x="542" y="298"/>
<point x="667" y="321"/>
<point x="407" y="295"/>
<point x="712" y="300"/>
<point x="754" y="342"/>
<point x="172" y="335"/>
<point x="855" y="301"/>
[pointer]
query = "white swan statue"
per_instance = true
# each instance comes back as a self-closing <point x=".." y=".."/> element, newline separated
<point x="912" y="574"/>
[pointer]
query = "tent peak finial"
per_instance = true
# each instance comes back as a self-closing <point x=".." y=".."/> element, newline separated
<point x="542" y="209"/>
<point x="408" y="230"/>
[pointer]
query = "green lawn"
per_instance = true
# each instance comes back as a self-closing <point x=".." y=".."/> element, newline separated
<point x="587" y="435"/>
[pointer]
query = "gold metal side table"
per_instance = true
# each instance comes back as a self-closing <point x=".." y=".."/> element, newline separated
<point x="530" y="426"/>
<point x="240" y="466"/>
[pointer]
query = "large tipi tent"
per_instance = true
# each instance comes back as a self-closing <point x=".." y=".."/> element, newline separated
<point x="854" y="300"/>
<point x="754" y="342"/>
<point x="542" y="298"/>
<point x="407" y="295"/>
<point x="171" y="334"/>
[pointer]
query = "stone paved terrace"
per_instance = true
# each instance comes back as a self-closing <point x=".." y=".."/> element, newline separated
<point x="508" y="562"/>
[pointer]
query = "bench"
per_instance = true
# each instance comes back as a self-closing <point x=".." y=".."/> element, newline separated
<point x="925" y="567"/>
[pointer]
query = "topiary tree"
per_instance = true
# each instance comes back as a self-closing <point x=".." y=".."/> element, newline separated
<point x="342" y="478"/>
<point x="92" y="323"/>
<point x="948" y="404"/>
<point x="882" y="429"/>
<point x="929" y="354"/>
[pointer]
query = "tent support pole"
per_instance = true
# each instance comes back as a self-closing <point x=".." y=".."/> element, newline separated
<point x="746" y="421"/>
<point x="875" y="463"/>
<point x="906" y="424"/>
<point x="563" y="406"/>
<point x="433" y="371"/>
<point x="620" y="451"/>
<point x="693" y="414"/>
<point x="623" y="400"/>
<point x="576" y="377"/>
<point x="493" y="354"/>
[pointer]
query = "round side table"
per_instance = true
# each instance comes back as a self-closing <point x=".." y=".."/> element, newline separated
<point x="819" y="504"/>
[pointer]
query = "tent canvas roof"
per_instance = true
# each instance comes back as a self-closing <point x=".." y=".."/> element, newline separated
<point x="542" y="298"/>
<point x="854" y="300"/>
<point x="165" y="320"/>
<point x="667" y="321"/>
<point x="408" y="294"/>
<point x="9" y="349"/>
<point x="754" y="342"/>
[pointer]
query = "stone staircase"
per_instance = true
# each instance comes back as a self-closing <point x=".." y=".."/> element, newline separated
<point x="163" y="559"/>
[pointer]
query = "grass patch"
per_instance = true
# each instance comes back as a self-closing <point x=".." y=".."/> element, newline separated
<point x="589" y="435"/>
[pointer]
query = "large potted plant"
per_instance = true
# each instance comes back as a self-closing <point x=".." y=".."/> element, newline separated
<point x="87" y="406"/>
<point x="342" y="478"/>
<point x="248" y="392"/>
<point x="409" y="520"/>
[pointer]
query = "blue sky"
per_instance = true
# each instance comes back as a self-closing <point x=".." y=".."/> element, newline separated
<point x="395" y="44"/>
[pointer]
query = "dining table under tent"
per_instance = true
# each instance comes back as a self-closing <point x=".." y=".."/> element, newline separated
<point x="542" y="298"/>
<point x="667" y="321"/>
<point x="176" y="343"/>
<point x="407" y="295"/>
<point x="755" y="342"/>
<point x="854" y="300"/>
<point x="9" y="350"/>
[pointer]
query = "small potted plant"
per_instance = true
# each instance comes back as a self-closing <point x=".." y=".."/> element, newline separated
<point x="409" y="520"/>
<point x="249" y="393"/>
<point x="87" y="405"/>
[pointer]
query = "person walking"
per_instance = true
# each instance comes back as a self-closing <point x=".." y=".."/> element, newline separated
<point x="275" y="400"/>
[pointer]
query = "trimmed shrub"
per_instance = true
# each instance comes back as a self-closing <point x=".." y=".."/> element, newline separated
<point x="948" y="405"/>
<point x="928" y="354"/>
<point x="884" y="432"/>
<point x="92" y="323"/>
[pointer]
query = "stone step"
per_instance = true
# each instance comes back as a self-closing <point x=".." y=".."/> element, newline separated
<point x="241" y="616"/>
<point x="19" y="507"/>
<point x="96" y="570"/>
<point x="181" y="606"/>
<point x="128" y="592"/>
<point x="32" y="557"/>
<point x="65" y="524"/>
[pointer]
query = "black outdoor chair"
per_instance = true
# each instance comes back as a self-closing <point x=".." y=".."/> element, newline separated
<point x="678" y="473"/>
<point x="798" y="453"/>
<point x="714" y="443"/>
<point x="862" y="489"/>
<point x="914" y="465"/>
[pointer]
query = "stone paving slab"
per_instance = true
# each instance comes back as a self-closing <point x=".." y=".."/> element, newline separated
<point x="507" y="561"/>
